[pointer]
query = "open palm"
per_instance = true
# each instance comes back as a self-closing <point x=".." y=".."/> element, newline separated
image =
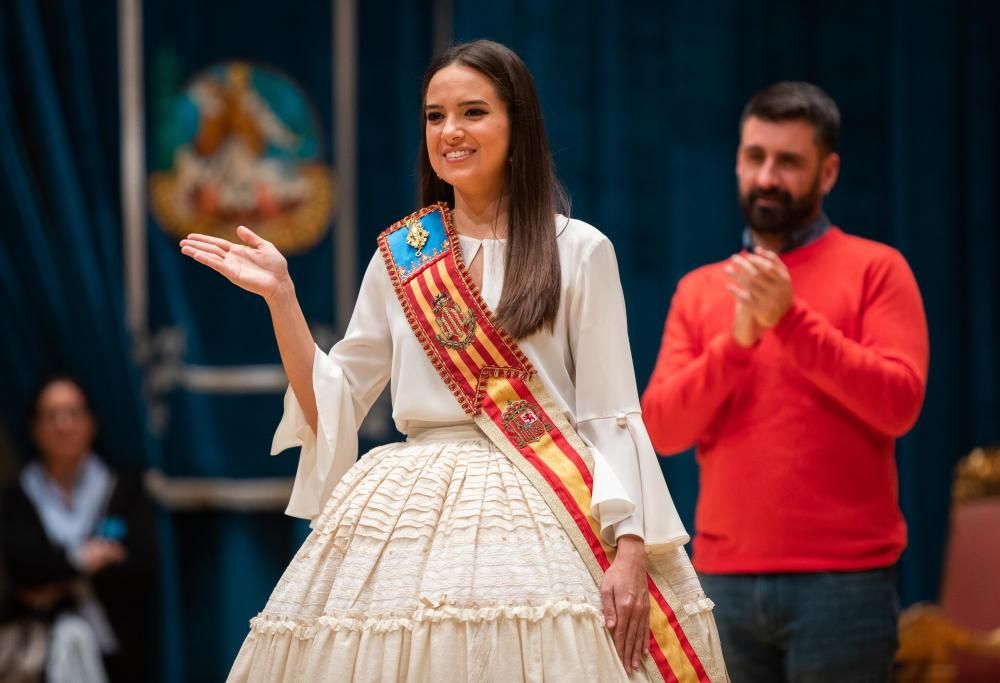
<point x="256" y="266"/>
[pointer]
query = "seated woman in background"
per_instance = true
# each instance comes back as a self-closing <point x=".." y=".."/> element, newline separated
<point x="78" y="542"/>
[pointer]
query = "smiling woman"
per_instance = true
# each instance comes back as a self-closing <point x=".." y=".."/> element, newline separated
<point x="468" y="133"/>
<point x="481" y="78"/>
<point x="507" y="538"/>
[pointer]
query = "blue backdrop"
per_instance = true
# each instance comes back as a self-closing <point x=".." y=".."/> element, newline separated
<point x="641" y="100"/>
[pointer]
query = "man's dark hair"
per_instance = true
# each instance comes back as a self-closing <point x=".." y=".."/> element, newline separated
<point x="797" y="100"/>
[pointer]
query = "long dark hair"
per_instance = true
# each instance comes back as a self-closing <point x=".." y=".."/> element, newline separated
<point x="530" y="297"/>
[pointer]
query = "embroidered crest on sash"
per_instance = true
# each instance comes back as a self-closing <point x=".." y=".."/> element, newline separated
<point x="459" y="329"/>
<point x="523" y="424"/>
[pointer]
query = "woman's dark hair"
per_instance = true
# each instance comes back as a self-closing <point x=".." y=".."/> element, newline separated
<point x="797" y="100"/>
<point x="530" y="297"/>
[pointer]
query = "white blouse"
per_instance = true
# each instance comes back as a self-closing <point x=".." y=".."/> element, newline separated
<point x="585" y="363"/>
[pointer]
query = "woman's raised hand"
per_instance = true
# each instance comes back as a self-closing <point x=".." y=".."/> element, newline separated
<point x="256" y="265"/>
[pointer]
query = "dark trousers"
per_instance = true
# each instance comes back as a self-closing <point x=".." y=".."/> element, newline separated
<point x="806" y="628"/>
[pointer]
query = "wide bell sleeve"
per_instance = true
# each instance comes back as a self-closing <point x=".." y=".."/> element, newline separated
<point x="630" y="495"/>
<point x="346" y="382"/>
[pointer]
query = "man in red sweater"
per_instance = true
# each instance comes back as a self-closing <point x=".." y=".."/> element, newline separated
<point x="793" y="366"/>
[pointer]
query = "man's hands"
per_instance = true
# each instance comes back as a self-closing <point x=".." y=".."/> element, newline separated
<point x="762" y="289"/>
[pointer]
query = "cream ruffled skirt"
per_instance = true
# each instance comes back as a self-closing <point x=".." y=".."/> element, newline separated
<point x="433" y="561"/>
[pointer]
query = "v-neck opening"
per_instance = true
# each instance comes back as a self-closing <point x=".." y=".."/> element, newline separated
<point x="491" y="251"/>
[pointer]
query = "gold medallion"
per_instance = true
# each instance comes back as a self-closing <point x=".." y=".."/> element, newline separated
<point x="416" y="236"/>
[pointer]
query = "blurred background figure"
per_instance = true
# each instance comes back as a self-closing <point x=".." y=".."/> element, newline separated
<point x="78" y="543"/>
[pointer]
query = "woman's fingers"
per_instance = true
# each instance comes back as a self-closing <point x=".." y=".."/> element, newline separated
<point x="608" y="603"/>
<point x="631" y="657"/>
<point x="634" y="621"/>
<point x="196" y="250"/>
<point x="224" y="245"/>
<point x="216" y="263"/>
<point x="115" y="551"/>
<point x="613" y="618"/>
<point x="641" y="636"/>
<point x="644" y="629"/>
<point x="618" y="636"/>
<point x="210" y="260"/>
<point x="206" y="247"/>
<point x="249" y="237"/>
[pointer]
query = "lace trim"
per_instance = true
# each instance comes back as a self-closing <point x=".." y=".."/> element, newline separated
<point x="305" y="629"/>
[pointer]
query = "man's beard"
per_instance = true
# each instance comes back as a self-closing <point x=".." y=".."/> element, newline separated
<point x="789" y="215"/>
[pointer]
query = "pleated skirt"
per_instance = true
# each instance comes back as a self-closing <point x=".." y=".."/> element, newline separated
<point x="435" y="560"/>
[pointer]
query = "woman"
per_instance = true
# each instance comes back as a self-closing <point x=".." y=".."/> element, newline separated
<point x="79" y="545"/>
<point x="443" y="558"/>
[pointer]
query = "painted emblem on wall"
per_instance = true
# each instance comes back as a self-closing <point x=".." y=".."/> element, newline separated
<point x="242" y="147"/>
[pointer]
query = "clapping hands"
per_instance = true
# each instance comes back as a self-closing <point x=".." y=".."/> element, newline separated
<point x="762" y="289"/>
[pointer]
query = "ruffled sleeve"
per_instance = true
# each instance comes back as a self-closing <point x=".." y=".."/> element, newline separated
<point x="347" y="381"/>
<point x="630" y="495"/>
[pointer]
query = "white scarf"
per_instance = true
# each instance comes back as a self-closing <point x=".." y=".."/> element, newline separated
<point x="70" y="523"/>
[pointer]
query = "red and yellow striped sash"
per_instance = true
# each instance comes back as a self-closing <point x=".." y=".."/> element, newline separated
<point x="497" y="386"/>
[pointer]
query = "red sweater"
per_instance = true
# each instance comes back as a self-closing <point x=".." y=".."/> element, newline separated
<point x="795" y="436"/>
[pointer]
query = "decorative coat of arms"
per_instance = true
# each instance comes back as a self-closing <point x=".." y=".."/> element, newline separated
<point x="523" y="424"/>
<point x="457" y="328"/>
<point x="240" y="145"/>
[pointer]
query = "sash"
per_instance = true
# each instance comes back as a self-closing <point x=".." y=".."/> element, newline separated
<point x="496" y="385"/>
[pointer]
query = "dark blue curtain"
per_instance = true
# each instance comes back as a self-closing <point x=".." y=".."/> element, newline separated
<point x="642" y="101"/>
<point x="60" y="241"/>
<point x="61" y="291"/>
<point x="61" y="269"/>
<point x="225" y="563"/>
<point x="209" y="434"/>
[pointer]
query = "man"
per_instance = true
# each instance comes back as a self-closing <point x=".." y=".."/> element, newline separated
<point x="793" y="367"/>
